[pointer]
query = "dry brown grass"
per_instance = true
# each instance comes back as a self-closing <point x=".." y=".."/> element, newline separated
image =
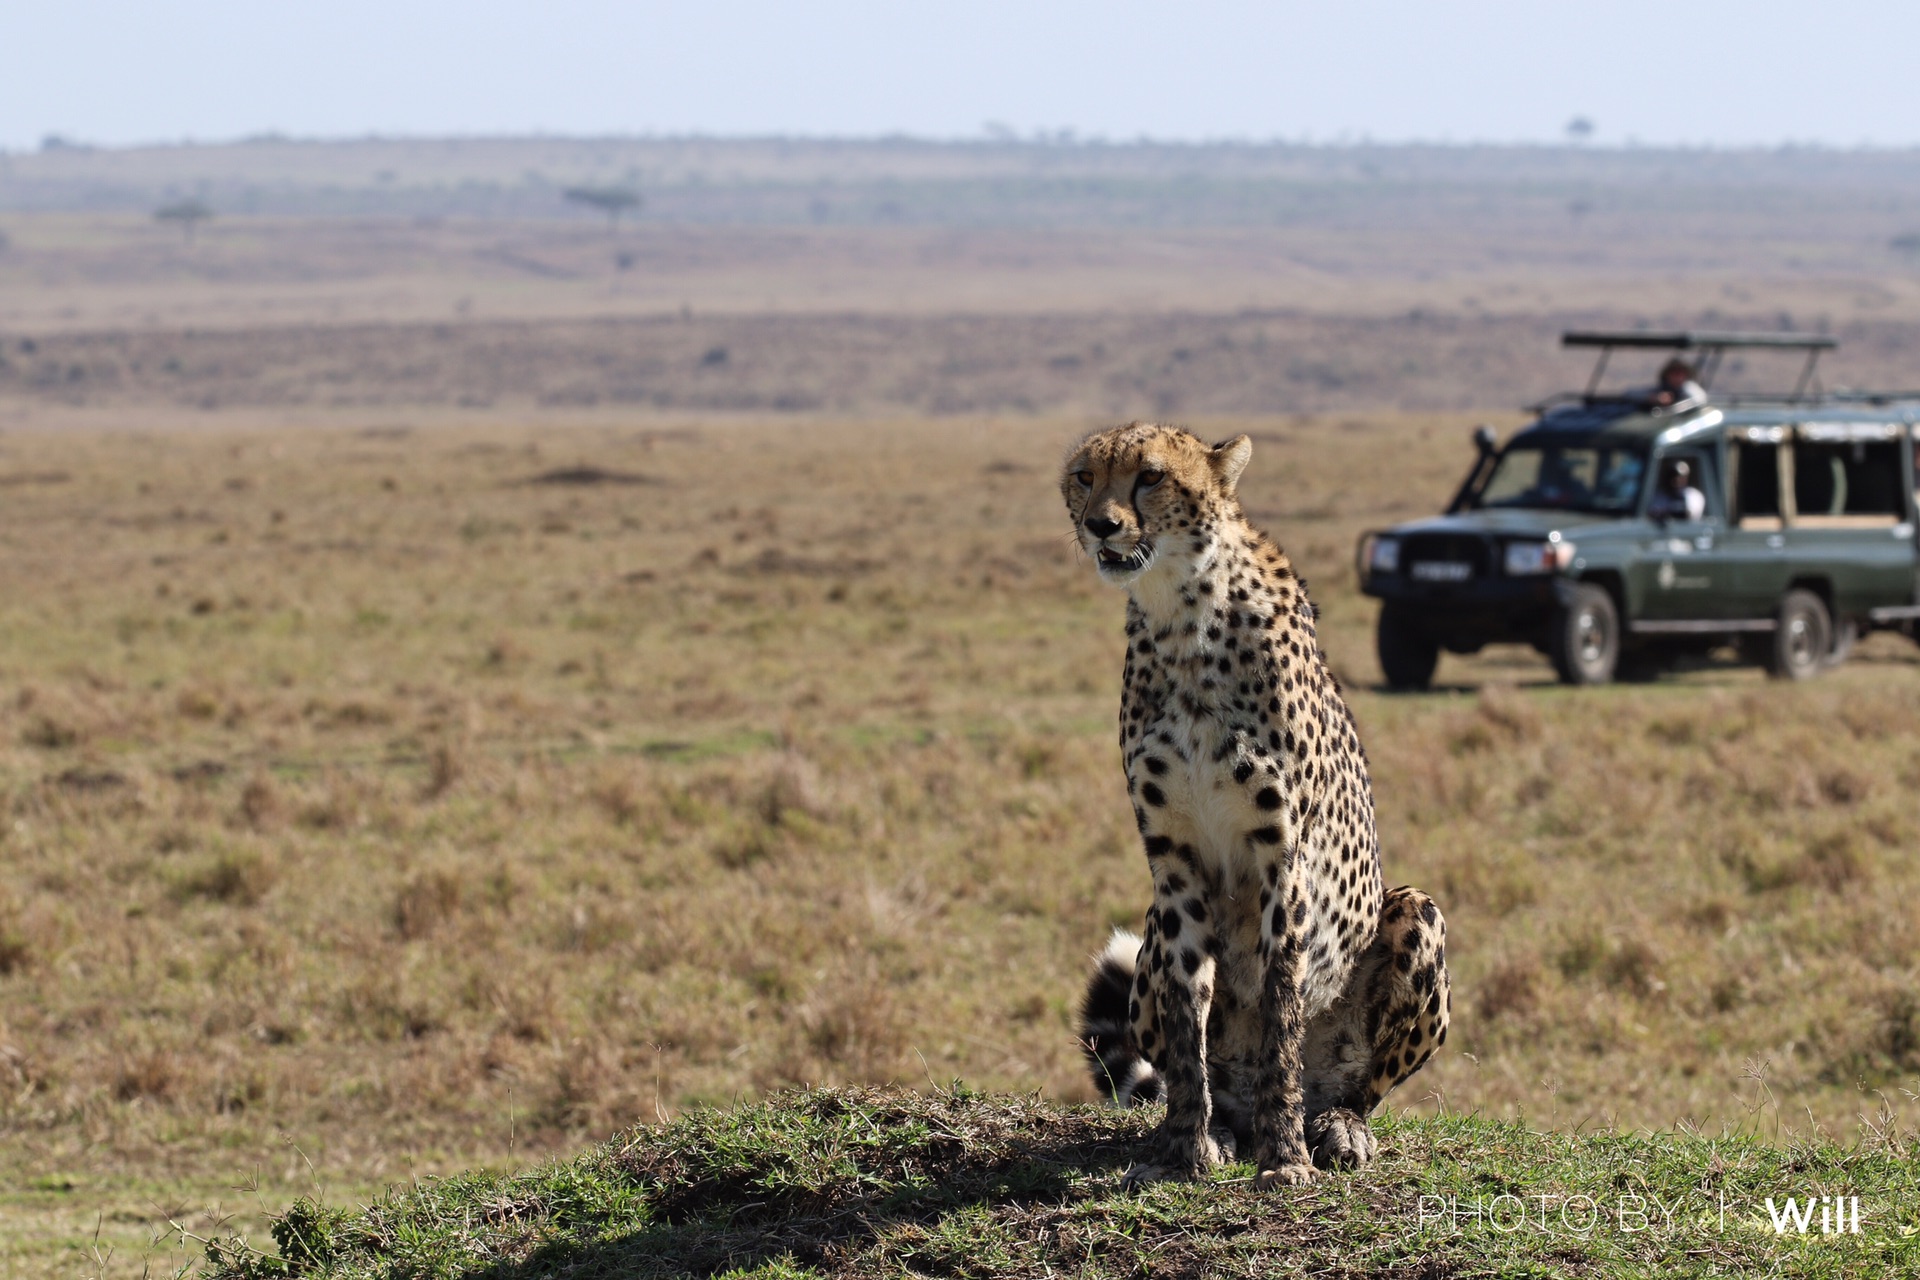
<point x="366" y="809"/>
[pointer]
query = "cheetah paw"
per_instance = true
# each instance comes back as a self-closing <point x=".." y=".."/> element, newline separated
<point x="1144" y="1175"/>
<point x="1175" y="1165"/>
<point x="1340" y="1139"/>
<point x="1287" y="1175"/>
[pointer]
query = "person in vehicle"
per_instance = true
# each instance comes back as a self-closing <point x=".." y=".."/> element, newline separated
<point x="1676" y="388"/>
<point x="1677" y="498"/>
<point x="1559" y="483"/>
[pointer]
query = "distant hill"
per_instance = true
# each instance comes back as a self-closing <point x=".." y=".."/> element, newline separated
<point x="1002" y="183"/>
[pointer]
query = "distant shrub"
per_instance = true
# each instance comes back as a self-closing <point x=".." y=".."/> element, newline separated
<point x="14" y="952"/>
<point x="1510" y="991"/>
<point x="425" y="901"/>
<point x="49" y="734"/>
<point x="261" y="805"/>
<point x="445" y="765"/>
<point x="185" y="214"/>
<point x="151" y="1075"/>
<point x="238" y="876"/>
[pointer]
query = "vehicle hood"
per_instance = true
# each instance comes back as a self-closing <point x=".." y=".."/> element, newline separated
<point x="1517" y="522"/>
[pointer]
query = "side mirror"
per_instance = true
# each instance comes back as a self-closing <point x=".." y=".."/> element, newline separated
<point x="1485" y="445"/>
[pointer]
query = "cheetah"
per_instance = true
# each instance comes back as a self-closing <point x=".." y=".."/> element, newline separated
<point x="1279" y="992"/>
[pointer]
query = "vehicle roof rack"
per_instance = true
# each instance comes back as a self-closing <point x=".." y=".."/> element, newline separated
<point x="1690" y="339"/>
<point x="1712" y="343"/>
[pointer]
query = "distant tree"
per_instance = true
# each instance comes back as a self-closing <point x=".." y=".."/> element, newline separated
<point x="612" y="201"/>
<point x="187" y="214"/>
<point x="1908" y="243"/>
<point x="1579" y="129"/>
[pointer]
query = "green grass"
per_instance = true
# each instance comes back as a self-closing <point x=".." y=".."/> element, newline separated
<point x="857" y="1182"/>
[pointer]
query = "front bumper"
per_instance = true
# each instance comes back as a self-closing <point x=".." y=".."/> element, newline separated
<point x="1463" y="616"/>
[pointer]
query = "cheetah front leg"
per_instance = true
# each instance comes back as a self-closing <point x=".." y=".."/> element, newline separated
<point x="1279" y="1115"/>
<point x="1174" y="994"/>
<point x="1391" y="1019"/>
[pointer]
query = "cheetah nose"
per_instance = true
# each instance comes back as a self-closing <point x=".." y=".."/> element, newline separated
<point x="1101" y="527"/>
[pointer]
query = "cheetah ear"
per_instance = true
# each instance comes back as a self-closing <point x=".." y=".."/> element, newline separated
<point x="1229" y="459"/>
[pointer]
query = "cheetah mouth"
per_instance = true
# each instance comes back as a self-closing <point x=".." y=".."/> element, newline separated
<point x="1116" y="562"/>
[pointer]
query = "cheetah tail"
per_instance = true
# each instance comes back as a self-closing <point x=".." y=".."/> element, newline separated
<point x="1120" y="1074"/>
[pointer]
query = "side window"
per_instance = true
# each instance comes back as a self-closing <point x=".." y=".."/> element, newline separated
<point x="1704" y="476"/>
<point x="1755" y="483"/>
<point x="1857" y="480"/>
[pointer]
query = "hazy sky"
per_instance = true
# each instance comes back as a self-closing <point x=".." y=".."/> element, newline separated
<point x="1708" y="71"/>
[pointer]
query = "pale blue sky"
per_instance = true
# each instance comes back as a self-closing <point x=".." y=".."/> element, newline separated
<point x="1707" y="71"/>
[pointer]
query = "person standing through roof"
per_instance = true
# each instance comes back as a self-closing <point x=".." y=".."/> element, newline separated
<point x="1677" y="498"/>
<point x="1676" y="388"/>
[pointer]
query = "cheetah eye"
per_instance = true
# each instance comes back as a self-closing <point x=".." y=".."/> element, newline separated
<point x="1148" y="479"/>
<point x="1085" y="478"/>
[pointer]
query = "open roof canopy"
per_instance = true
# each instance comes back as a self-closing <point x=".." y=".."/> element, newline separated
<point x="1711" y="343"/>
<point x="1694" y="339"/>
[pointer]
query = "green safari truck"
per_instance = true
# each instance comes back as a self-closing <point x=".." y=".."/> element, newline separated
<point x="1619" y="532"/>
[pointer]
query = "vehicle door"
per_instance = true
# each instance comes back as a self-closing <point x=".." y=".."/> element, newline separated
<point x="1678" y="573"/>
<point x="1753" y="550"/>
<point x="1851" y="526"/>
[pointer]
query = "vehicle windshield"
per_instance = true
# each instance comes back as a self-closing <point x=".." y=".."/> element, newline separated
<point x="1603" y="479"/>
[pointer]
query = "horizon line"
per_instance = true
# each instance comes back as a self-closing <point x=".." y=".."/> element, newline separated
<point x="55" y="142"/>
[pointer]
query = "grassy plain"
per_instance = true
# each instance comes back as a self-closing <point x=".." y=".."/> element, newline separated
<point x="386" y="794"/>
<point x="471" y="680"/>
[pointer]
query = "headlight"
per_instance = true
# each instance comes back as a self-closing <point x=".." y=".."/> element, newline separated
<point x="1528" y="558"/>
<point x="1385" y="556"/>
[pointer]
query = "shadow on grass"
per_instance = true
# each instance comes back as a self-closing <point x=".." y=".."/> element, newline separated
<point x="853" y="1169"/>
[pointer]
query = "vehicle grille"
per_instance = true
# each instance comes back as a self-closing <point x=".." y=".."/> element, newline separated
<point x="1446" y="549"/>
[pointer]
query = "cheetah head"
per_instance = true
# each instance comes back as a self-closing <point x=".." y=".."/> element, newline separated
<point x="1131" y="488"/>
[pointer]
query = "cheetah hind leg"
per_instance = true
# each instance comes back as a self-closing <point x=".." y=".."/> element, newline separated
<point x="1391" y="1019"/>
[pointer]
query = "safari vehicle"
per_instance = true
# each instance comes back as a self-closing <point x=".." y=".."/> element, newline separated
<point x="1576" y="536"/>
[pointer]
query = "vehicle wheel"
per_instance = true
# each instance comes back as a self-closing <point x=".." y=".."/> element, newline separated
<point x="1803" y="638"/>
<point x="1408" y="654"/>
<point x="1585" y="641"/>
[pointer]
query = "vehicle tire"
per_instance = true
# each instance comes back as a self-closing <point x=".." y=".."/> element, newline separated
<point x="1803" y="637"/>
<point x="1408" y="654"/>
<point x="1585" y="641"/>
